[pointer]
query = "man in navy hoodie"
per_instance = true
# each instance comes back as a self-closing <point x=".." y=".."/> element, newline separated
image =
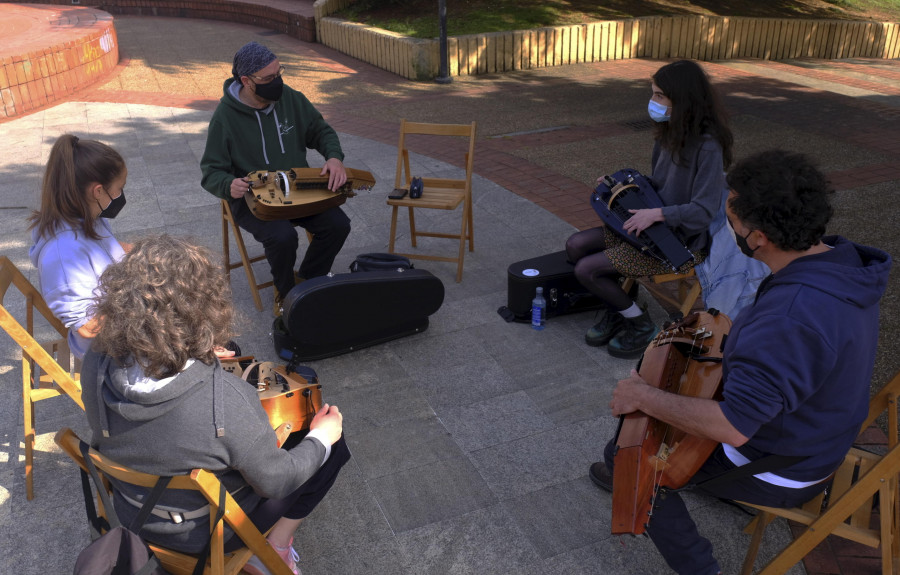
<point x="797" y="362"/>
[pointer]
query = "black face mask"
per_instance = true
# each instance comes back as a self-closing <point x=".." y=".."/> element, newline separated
<point x="272" y="90"/>
<point x="115" y="206"/>
<point x="741" y="241"/>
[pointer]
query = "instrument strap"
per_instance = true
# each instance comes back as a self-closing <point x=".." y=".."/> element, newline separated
<point x="772" y="462"/>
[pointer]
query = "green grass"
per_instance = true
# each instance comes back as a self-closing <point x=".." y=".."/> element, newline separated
<point x="419" y="18"/>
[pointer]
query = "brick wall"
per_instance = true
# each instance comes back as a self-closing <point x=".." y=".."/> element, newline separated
<point x="40" y="77"/>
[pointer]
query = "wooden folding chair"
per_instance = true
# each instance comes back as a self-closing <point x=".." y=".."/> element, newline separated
<point x="47" y="368"/>
<point x="246" y="261"/>
<point x="437" y="193"/>
<point x="219" y="563"/>
<point x="688" y="287"/>
<point x="848" y="510"/>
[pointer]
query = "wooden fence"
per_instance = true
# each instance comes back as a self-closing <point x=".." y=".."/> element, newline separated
<point x="694" y="37"/>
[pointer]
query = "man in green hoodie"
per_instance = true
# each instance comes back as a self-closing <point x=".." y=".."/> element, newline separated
<point x="261" y="124"/>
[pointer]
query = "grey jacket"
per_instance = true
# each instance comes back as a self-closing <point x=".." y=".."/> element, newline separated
<point x="204" y="418"/>
<point x="691" y="192"/>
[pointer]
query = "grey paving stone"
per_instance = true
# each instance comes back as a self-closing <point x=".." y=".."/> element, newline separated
<point x="482" y="541"/>
<point x="562" y="517"/>
<point x="494" y="421"/>
<point x="431" y="493"/>
<point x="529" y="464"/>
<point x="404" y="445"/>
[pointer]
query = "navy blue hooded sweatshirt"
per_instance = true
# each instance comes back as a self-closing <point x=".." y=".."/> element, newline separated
<point x="798" y="362"/>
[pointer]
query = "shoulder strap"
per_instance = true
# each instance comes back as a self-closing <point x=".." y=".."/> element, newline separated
<point x="150" y="502"/>
<point x="112" y="520"/>
<point x="771" y="462"/>
<point x="97" y="524"/>
<point x="201" y="561"/>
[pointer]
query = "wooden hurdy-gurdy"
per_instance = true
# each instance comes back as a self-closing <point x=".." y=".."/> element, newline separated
<point x="300" y="192"/>
<point x="651" y="456"/>
<point x="630" y="190"/>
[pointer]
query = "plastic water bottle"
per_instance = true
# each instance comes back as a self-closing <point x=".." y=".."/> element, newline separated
<point x="538" y="310"/>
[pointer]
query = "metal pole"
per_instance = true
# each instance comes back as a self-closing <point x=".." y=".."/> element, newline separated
<point x="444" y="72"/>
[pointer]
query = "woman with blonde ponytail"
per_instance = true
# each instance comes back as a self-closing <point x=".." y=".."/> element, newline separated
<point x="83" y="187"/>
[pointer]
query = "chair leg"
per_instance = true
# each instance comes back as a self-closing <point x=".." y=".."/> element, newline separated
<point x="690" y="298"/>
<point x="412" y="227"/>
<point x="248" y="269"/>
<point x="226" y="248"/>
<point x="886" y="497"/>
<point x="762" y="521"/>
<point x="471" y="233"/>
<point x="462" y="248"/>
<point x="28" y="418"/>
<point x="393" y="229"/>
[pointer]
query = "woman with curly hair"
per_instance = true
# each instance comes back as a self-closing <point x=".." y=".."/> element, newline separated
<point x="157" y="400"/>
<point x="693" y="147"/>
<point x="83" y="188"/>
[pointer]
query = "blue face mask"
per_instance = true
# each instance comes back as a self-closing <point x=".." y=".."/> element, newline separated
<point x="657" y="111"/>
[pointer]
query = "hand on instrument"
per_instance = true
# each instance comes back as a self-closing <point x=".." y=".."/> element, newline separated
<point x="329" y="420"/>
<point x="337" y="175"/>
<point x="222" y="353"/>
<point x="642" y="219"/>
<point x="626" y="395"/>
<point x="239" y="186"/>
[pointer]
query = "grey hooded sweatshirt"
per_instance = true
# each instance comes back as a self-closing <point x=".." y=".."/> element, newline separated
<point x="203" y="418"/>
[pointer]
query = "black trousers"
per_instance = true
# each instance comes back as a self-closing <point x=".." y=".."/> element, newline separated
<point x="279" y="239"/>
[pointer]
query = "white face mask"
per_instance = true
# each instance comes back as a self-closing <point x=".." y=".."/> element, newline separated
<point x="657" y="111"/>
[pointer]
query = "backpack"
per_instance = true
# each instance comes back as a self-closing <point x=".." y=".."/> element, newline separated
<point x="119" y="551"/>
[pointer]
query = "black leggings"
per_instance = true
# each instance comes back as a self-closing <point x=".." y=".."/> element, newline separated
<point x="594" y="270"/>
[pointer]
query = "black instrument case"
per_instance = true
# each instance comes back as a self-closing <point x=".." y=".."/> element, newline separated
<point x="553" y="272"/>
<point x="339" y="313"/>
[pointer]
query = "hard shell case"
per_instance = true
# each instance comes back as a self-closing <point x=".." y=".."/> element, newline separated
<point x="553" y="272"/>
<point x="339" y="313"/>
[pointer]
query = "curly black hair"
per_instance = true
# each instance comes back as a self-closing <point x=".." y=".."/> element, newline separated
<point x="783" y="195"/>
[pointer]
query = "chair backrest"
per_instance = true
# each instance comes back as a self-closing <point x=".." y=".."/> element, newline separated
<point x="198" y="480"/>
<point x="403" y="175"/>
<point x="848" y="514"/>
<point x="857" y="462"/>
<point x="885" y="401"/>
<point x="32" y="351"/>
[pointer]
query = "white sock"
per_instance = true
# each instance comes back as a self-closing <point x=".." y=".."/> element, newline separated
<point x="633" y="311"/>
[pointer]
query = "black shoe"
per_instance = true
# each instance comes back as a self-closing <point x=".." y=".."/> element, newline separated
<point x="631" y="342"/>
<point x="601" y="476"/>
<point x="606" y="329"/>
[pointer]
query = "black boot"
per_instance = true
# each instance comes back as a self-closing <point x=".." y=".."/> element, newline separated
<point x="609" y="325"/>
<point x="631" y="342"/>
<point x="601" y="476"/>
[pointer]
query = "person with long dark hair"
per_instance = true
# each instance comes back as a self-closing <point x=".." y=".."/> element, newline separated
<point x="692" y="149"/>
